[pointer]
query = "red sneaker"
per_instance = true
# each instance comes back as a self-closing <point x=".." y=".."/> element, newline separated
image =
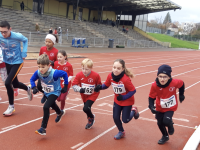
<point x="16" y="92"/>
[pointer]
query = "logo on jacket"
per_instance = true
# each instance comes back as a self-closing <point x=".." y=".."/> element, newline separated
<point x="10" y="54"/>
<point x="171" y="89"/>
<point x="65" y="68"/>
<point x="51" y="54"/>
<point x="90" y="80"/>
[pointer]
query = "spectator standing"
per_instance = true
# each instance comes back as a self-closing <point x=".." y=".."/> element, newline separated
<point x="55" y="31"/>
<point x="37" y="28"/>
<point x="22" y="6"/>
<point x="60" y="35"/>
<point x="50" y="31"/>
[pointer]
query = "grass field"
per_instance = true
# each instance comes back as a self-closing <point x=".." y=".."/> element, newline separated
<point x="175" y="43"/>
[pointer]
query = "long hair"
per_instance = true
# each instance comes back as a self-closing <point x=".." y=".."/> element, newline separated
<point x="63" y="52"/>
<point x="127" y="71"/>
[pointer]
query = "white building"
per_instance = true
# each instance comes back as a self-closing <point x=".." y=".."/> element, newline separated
<point x="187" y="27"/>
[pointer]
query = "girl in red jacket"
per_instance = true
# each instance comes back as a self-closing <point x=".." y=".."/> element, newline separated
<point x="124" y="92"/>
<point x="63" y="64"/>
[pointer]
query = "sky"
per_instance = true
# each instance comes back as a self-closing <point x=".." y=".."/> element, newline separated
<point x="190" y="12"/>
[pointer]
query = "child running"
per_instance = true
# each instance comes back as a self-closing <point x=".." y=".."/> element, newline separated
<point x="124" y="95"/>
<point x="13" y="57"/>
<point x="51" y="52"/>
<point x="3" y="73"/>
<point x="163" y="90"/>
<point x="50" y="81"/>
<point x="85" y="83"/>
<point x="63" y="64"/>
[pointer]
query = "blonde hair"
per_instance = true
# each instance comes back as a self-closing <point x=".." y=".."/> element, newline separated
<point x="87" y="62"/>
<point x="127" y="71"/>
<point x="43" y="60"/>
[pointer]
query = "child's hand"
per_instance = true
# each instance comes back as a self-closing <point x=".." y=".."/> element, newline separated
<point x="82" y="90"/>
<point x="35" y="90"/>
<point x="120" y="97"/>
<point x="98" y="88"/>
<point x="181" y="98"/>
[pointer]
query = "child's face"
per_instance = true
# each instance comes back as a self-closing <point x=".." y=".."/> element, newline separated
<point x="43" y="68"/>
<point x="86" y="70"/>
<point x="49" y="44"/>
<point x="61" y="58"/>
<point x="117" y="68"/>
<point x="163" y="78"/>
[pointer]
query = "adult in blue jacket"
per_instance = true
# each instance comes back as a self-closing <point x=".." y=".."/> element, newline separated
<point x="10" y="43"/>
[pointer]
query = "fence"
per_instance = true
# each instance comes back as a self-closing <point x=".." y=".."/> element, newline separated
<point x="186" y="38"/>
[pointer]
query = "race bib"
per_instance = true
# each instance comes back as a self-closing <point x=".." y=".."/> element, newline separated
<point x="168" y="102"/>
<point x="118" y="88"/>
<point x="89" y="89"/>
<point x="47" y="88"/>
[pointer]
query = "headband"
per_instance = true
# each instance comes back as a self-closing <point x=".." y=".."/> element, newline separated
<point x="51" y="37"/>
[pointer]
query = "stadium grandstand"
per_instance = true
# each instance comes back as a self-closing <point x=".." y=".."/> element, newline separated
<point x="90" y="19"/>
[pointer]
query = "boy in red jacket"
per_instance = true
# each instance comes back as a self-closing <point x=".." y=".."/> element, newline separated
<point x="163" y="90"/>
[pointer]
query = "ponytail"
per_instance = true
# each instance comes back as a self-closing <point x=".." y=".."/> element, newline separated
<point x="127" y="71"/>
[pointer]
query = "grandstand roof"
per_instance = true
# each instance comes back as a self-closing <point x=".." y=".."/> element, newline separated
<point x="127" y="6"/>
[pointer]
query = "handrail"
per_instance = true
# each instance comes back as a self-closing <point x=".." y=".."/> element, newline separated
<point x="24" y="5"/>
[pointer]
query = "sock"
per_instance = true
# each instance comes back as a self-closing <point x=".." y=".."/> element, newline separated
<point x="11" y="106"/>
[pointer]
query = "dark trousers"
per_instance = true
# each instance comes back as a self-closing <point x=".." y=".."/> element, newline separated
<point x="50" y="102"/>
<point x="12" y="71"/>
<point x="164" y="120"/>
<point x="126" y="110"/>
<point x="87" y="108"/>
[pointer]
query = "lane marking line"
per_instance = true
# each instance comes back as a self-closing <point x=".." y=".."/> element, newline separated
<point x="76" y="145"/>
<point x="8" y="127"/>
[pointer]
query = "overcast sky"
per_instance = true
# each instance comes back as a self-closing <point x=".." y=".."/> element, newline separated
<point x="190" y="12"/>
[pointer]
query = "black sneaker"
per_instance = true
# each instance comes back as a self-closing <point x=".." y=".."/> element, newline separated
<point x="43" y="100"/>
<point x="171" y="129"/>
<point x="163" y="140"/>
<point x="41" y="131"/>
<point x="58" y="118"/>
<point x="90" y="122"/>
<point x="136" y="114"/>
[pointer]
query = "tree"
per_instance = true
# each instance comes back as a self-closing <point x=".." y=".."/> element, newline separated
<point x="167" y="19"/>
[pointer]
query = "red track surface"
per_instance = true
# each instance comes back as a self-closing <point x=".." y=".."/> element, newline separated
<point x="18" y="131"/>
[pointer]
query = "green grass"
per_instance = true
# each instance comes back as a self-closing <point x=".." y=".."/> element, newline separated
<point x="175" y="43"/>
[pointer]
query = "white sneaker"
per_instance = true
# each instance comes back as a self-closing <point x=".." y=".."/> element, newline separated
<point x="9" y="111"/>
<point x="29" y="93"/>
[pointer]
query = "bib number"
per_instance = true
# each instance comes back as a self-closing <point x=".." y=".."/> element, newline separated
<point x="89" y="89"/>
<point x="168" y="102"/>
<point x="47" y="88"/>
<point x="118" y="88"/>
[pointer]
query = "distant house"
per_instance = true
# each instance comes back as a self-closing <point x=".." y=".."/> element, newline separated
<point x="173" y="28"/>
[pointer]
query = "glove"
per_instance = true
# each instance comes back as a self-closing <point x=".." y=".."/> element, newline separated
<point x="98" y="88"/>
<point x="64" y="89"/>
<point x="120" y="97"/>
<point x="82" y="90"/>
<point x="181" y="98"/>
<point x="35" y="90"/>
<point x="153" y="110"/>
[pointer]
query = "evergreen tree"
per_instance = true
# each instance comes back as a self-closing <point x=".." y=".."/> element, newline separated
<point x="167" y="19"/>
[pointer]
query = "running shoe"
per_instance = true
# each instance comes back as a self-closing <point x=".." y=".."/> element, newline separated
<point x="9" y="111"/>
<point x="90" y="122"/>
<point x="136" y="114"/>
<point x="119" y="135"/>
<point x="58" y="118"/>
<point x="43" y="100"/>
<point x="29" y="93"/>
<point x="16" y="92"/>
<point x="41" y="131"/>
<point x="163" y="140"/>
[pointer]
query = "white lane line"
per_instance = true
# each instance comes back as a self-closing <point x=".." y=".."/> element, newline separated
<point x="76" y="145"/>
<point x="187" y="115"/>
<point x="181" y="119"/>
<point x="28" y="105"/>
<point x="97" y="137"/>
<point x="8" y="127"/>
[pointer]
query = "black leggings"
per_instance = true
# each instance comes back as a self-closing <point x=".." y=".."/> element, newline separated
<point x="126" y="110"/>
<point x="12" y="71"/>
<point x="49" y="103"/>
<point x="87" y="108"/>
<point x="164" y="119"/>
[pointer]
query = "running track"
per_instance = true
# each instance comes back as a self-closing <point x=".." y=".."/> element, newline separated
<point x="17" y="131"/>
